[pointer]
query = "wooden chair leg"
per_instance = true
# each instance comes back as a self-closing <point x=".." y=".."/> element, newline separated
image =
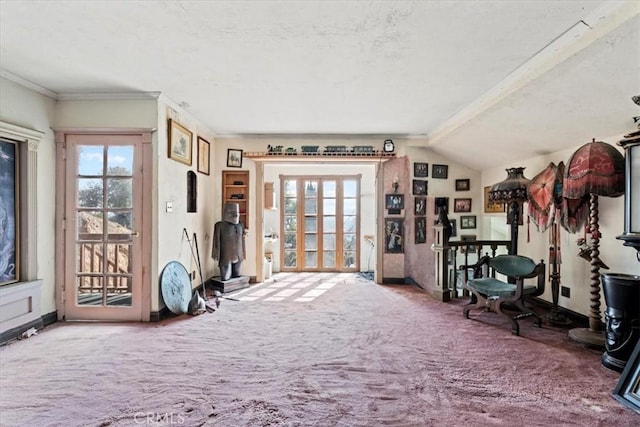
<point x="515" y="327"/>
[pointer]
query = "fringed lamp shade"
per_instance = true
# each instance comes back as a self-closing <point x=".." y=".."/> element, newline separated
<point x="595" y="168"/>
<point x="513" y="188"/>
<point x="513" y="192"/>
<point x="545" y="196"/>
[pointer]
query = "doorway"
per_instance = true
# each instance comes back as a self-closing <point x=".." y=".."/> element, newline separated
<point x="320" y="223"/>
<point x="102" y="211"/>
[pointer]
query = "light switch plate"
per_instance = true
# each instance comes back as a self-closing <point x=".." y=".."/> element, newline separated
<point x="169" y="207"/>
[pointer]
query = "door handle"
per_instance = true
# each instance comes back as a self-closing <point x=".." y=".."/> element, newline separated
<point x="135" y="234"/>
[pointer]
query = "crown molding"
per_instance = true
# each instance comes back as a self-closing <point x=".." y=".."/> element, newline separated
<point x="103" y="96"/>
<point x="28" y="84"/>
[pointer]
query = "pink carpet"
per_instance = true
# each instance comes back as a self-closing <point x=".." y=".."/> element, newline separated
<point x="321" y="350"/>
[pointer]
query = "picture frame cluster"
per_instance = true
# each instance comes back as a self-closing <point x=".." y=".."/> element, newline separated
<point x="180" y="147"/>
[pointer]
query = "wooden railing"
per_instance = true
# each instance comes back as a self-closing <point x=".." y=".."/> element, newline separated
<point x="91" y="259"/>
<point x="472" y="251"/>
<point x="448" y="276"/>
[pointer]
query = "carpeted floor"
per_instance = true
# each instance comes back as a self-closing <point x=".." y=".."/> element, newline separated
<point x="309" y="350"/>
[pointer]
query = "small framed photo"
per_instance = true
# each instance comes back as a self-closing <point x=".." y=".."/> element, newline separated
<point x="394" y="201"/>
<point x="462" y="205"/>
<point x="440" y="171"/>
<point x="234" y="158"/>
<point x="489" y="206"/>
<point x="419" y="187"/>
<point x="180" y="142"/>
<point x="441" y="202"/>
<point x="420" y="206"/>
<point x="393" y="235"/>
<point x="468" y="238"/>
<point x="463" y="185"/>
<point x="204" y="159"/>
<point x="421" y="230"/>
<point x="467" y="221"/>
<point x="421" y="170"/>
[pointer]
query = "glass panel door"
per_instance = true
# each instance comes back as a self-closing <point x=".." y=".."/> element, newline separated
<point x="328" y="210"/>
<point x="329" y="230"/>
<point x="311" y="224"/>
<point x="103" y="271"/>
<point x="350" y="224"/>
<point x="290" y="224"/>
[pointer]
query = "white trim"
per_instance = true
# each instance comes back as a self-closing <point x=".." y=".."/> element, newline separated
<point x="101" y="96"/>
<point x="20" y="304"/>
<point x="26" y="83"/>
<point x="15" y="132"/>
<point x="574" y="39"/>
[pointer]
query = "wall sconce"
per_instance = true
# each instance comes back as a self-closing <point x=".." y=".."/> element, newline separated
<point x="631" y="235"/>
<point x="395" y="184"/>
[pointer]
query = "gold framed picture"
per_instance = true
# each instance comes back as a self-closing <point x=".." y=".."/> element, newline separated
<point x="180" y="143"/>
<point x="491" y="207"/>
<point x="204" y="159"/>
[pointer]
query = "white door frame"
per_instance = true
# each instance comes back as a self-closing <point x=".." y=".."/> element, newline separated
<point x="65" y="224"/>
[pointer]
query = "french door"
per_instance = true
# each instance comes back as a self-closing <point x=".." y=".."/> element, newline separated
<point x="102" y="279"/>
<point x="320" y="223"/>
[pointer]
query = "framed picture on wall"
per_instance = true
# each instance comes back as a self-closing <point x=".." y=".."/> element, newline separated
<point x="462" y="205"/>
<point x="180" y="143"/>
<point x="394" y="201"/>
<point x="421" y="170"/>
<point x="491" y="207"/>
<point x="420" y="207"/>
<point x="421" y="230"/>
<point x="463" y="185"/>
<point x="467" y="221"/>
<point x="393" y="235"/>
<point x="440" y="171"/>
<point x="234" y="158"/>
<point x="204" y="159"/>
<point x="419" y="187"/>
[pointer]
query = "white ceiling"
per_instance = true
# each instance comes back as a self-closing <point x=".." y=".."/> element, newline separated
<point x="484" y="82"/>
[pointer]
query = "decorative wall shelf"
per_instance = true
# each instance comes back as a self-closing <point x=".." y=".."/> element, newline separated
<point x="315" y="157"/>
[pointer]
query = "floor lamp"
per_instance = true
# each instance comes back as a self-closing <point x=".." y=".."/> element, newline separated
<point x="513" y="192"/>
<point x="595" y="169"/>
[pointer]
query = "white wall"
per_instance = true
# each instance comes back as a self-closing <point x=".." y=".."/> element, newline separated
<point x="171" y="186"/>
<point x="24" y="107"/>
<point x="271" y="172"/>
<point x="575" y="271"/>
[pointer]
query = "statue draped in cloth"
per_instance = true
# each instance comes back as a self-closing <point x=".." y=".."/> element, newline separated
<point x="228" y="242"/>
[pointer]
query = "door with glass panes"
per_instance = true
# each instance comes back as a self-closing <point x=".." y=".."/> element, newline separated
<point x="320" y="223"/>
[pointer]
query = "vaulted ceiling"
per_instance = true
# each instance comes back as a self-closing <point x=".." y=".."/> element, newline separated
<point x="484" y="82"/>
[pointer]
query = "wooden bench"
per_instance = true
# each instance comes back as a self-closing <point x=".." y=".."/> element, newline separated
<point x="492" y="294"/>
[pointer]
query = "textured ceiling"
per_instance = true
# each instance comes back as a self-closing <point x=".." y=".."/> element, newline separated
<point x="483" y="82"/>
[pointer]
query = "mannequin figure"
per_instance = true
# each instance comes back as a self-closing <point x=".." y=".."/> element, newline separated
<point x="228" y="242"/>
